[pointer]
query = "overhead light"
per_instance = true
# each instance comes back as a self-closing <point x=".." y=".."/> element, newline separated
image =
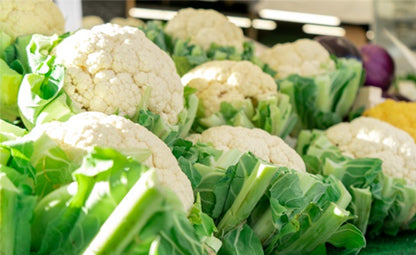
<point x="263" y="24"/>
<point x="240" y="21"/>
<point x="323" y="30"/>
<point x="145" y="13"/>
<point x="299" y="17"/>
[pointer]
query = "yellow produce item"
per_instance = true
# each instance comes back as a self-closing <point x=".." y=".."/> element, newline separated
<point x="397" y="113"/>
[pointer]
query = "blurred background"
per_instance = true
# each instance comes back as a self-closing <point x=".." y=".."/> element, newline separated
<point x="278" y="21"/>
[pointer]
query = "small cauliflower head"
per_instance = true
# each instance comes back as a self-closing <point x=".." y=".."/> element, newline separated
<point x="129" y="21"/>
<point x="367" y="137"/>
<point x="111" y="69"/>
<point x="204" y="27"/>
<point x="23" y="17"/>
<point x="91" y="21"/>
<point x="257" y="141"/>
<point x="304" y="57"/>
<point x="85" y="130"/>
<point x="226" y="81"/>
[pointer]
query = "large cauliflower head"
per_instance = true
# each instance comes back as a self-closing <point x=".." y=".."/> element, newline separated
<point x="257" y="141"/>
<point x="111" y="68"/>
<point x="22" y="17"/>
<point x="225" y="81"/>
<point x="85" y="130"/>
<point x="367" y="137"/>
<point x="204" y="27"/>
<point x="304" y="57"/>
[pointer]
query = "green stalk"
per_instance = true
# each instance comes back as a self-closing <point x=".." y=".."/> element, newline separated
<point x="361" y="207"/>
<point x="4" y="156"/>
<point x="263" y="227"/>
<point x="142" y="201"/>
<point x="320" y="231"/>
<point x="251" y="192"/>
<point x="8" y="201"/>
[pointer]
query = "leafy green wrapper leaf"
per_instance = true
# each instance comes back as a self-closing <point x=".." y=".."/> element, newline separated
<point x="16" y="211"/>
<point x="273" y="114"/>
<point x="326" y="99"/>
<point x="241" y="240"/>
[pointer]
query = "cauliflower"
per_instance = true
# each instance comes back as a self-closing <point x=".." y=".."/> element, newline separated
<point x="85" y="130"/>
<point x="91" y="21"/>
<point x="226" y="81"/>
<point x="304" y="57"/>
<point x="263" y="145"/>
<point x="22" y="17"/>
<point x="372" y="138"/>
<point x="133" y="22"/>
<point x="204" y="27"/>
<point x="111" y="69"/>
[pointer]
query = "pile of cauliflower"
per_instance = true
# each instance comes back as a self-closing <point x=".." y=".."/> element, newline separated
<point x="112" y="71"/>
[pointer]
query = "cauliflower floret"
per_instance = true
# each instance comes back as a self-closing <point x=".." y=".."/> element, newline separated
<point x="22" y="17"/>
<point x="225" y="81"/>
<point x="133" y="22"/>
<point x="304" y="57"/>
<point x="109" y="69"/>
<point x="85" y="130"/>
<point x="204" y="27"/>
<point x="372" y="138"/>
<point x="257" y="141"/>
<point x="91" y="21"/>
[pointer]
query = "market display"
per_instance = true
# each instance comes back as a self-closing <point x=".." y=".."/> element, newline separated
<point x="179" y="138"/>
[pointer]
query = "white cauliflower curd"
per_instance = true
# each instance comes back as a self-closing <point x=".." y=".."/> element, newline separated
<point x="304" y="57"/>
<point x="257" y="141"/>
<point x="226" y="81"/>
<point x="23" y="17"/>
<point x="85" y="130"/>
<point x="367" y="137"/>
<point x="204" y="27"/>
<point x="112" y="69"/>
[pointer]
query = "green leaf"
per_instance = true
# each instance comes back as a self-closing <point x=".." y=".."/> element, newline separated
<point x="251" y="179"/>
<point x="16" y="210"/>
<point x="349" y="237"/>
<point x="43" y="160"/>
<point x="9" y="132"/>
<point x="5" y="41"/>
<point x="361" y="207"/>
<point x="273" y="114"/>
<point x="38" y="91"/>
<point x="9" y="87"/>
<point x="240" y="240"/>
<point x="79" y="210"/>
<point x="325" y="99"/>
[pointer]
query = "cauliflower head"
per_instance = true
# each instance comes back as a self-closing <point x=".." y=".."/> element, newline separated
<point x="22" y="17"/>
<point x="130" y="21"/>
<point x="91" y="21"/>
<point x="257" y="141"/>
<point x="225" y="81"/>
<point x="111" y="68"/>
<point x="304" y="57"/>
<point x="85" y="130"/>
<point x="367" y="137"/>
<point x="204" y="27"/>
